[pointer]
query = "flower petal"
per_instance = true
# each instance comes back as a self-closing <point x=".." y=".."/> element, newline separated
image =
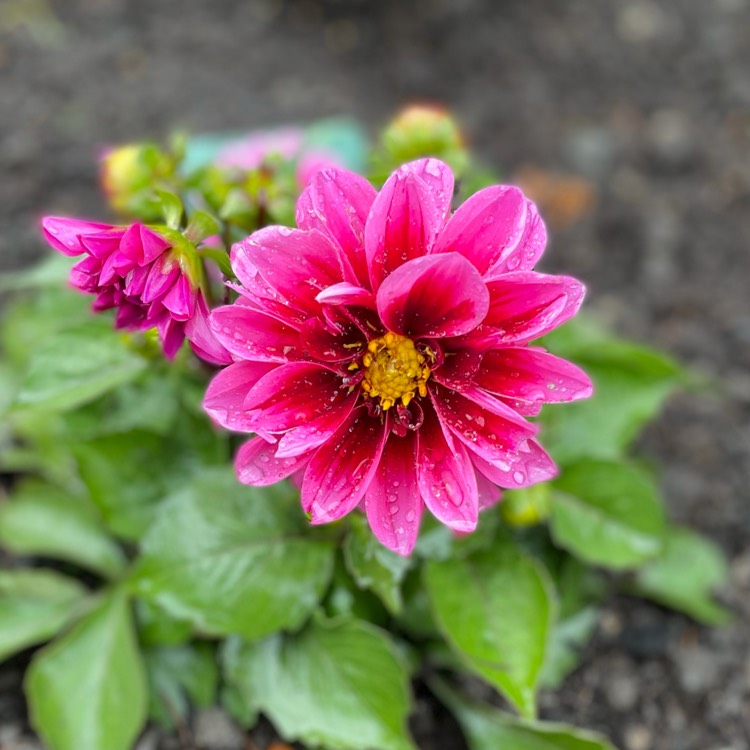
<point x="392" y="502"/>
<point x="317" y="341"/>
<point x="489" y="493"/>
<point x="491" y="433"/>
<point x="309" y="436"/>
<point x="256" y="464"/>
<point x="447" y="481"/>
<point x="496" y="228"/>
<point x="289" y="265"/>
<point x="437" y="295"/>
<point x="337" y="203"/>
<point x="202" y="338"/>
<point x="292" y="395"/>
<point x="249" y="334"/>
<point x="528" y="465"/>
<point x="341" y="470"/>
<point x="525" y="305"/>
<point x="403" y="223"/>
<point x="439" y="179"/>
<point x="532" y="375"/>
<point x="226" y="393"/>
<point x="64" y="234"/>
<point x="347" y="294"/>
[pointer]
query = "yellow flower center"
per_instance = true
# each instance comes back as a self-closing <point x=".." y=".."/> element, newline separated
<point x="393" y="370"/>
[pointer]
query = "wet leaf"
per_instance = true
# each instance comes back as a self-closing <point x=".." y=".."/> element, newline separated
<point x="337" y="685"/>
<point x="607" y="513"/>
<point x="233" y="559"/>
<point x="87" y="690"/>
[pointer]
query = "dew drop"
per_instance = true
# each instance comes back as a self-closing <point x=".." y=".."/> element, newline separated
<point x="518" y="476"/>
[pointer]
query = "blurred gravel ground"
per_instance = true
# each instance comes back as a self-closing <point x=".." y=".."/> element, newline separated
<point x="647" y="101"/>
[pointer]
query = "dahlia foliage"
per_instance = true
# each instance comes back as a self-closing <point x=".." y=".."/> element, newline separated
<point x="382" y="350"/>
<point x="273" y="329"/>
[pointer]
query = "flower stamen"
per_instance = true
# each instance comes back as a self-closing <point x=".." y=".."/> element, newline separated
<point x="394" y="370"/>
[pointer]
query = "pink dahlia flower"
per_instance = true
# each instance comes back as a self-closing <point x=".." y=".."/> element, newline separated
<point x="383" y="353"/>
<point x="137" y="271"/>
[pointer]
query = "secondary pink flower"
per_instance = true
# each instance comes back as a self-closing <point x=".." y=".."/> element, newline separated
<point x="138" y="271"/>
<point x="250" y="151"/>
<point x="382" y="350"/>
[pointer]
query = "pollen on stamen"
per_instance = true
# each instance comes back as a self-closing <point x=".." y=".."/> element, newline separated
<point x="394" y="370"/>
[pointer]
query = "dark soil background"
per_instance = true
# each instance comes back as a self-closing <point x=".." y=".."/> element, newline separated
<point x="648" y="102"/>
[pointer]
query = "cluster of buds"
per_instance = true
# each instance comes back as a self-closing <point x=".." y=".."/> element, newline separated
<point x="154" y="279"/>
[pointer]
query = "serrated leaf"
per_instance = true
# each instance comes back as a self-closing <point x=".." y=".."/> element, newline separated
<point x="179" y="676"/>
<point x="234" y="559"/>
<point x="683" y="577"/>
<point x="631" y="382"/>
<point x="41" y="519"/>
<point x="87" y="690"/>
<point x="34" y="605"/>
<point x="489" y="729"/>
<point x="337" y="685"/>
<point x="496" y="609"/>
<point x="76" y="366"/>
<point x="373" y="566"/>
<point x="607" y="513"/>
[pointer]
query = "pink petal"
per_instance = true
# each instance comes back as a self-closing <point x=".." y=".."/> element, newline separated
<point x="436" y="295"/>
<point x="525" y="305"/>
<point x="337" y="203"/>
<point x="85" y="274"/>
<point x="225" y="397"/>
<point x="439" y="179"/>
<point x="347" y="294"/>
<point x="292" y="395"/>
<point x="289" y="265"/>
<point x="528" y="465"/>
<point x="528" y="250"/>
<point x="319" y="343"/>
<point x="64" y="234"/>
<point x="172" y="334"/>
<point x="489" y="493"/>
<point x="307" y="437"/>
<point x="532" y="375"/>
<point x="496" y="227"/>
<point x="162" y="276"/>
<point x="392" y="502"/>
<point x="446" y="478"/>
<point x="202" y="338"/>
<point x="180" y="300"/>
<point x="341" y="470"/>
<point x="256" y="464"/>
<point x="489" y="433"/>
<point x="458" y="369"/>
<point x="403" y="223"/>
<point x="142" y="245"/>
<point x="249" y="334"/>
<point x="102" y="244"/>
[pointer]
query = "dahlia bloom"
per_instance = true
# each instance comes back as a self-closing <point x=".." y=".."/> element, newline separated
<point x="150" y="280"/>
<point x="382" y="350"/>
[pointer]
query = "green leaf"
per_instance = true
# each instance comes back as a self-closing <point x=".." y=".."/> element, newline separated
<point x="338" y="685"/>
<point x="373" y="566"/>
<point x="234" y="559"/>
<point x="607" y="513"/>
<point x="201" y="225"/>
<point x="496" y="609"/>
<point x="178" y="676"/>
<point x="87" y="690"/>
<point x="43" y="520"/>
<point x="76" y="366"/>
<point x="158" y="628"/>
<point x="684" y="575"/>
<point x="126" y="475"/>
<point x="580" y="590"/>
<point x="34" y="605"/>
<point x="489" y="729"/>
<point x="631" y="382"/>
<point x="171" y="208"/>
